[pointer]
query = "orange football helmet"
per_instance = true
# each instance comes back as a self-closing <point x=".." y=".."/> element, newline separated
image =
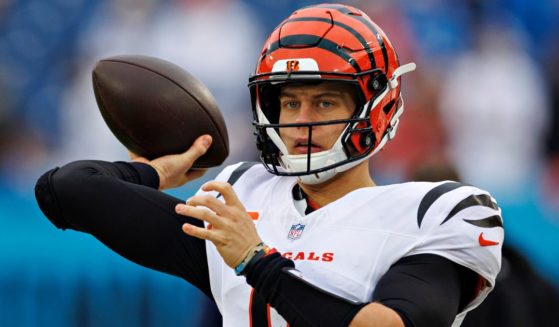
<point x="328" y="42"/>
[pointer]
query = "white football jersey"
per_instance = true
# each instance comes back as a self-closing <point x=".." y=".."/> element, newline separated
<point x="346" y="246"/>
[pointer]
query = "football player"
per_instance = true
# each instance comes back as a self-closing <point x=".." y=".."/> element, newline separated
<point x="307" y="238"/>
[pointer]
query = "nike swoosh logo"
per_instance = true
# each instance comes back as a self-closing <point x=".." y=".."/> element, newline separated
<point x="484" y="242"/>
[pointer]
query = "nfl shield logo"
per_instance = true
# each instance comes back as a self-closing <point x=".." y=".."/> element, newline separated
<point x="296" y="231"/>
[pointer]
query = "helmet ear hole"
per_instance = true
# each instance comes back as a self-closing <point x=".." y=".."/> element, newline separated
<point x="361" y="141"/>
<point x="366" y="140"/>
<point x="377" y="83"/>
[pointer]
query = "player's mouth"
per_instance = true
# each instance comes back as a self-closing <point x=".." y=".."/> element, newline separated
<point x="302" y="147"/>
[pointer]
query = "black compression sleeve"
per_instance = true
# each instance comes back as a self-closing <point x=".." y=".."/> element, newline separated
<point x="425" y="290"/>
<point x="119" y="204"/>
<point x="299" y="302"/>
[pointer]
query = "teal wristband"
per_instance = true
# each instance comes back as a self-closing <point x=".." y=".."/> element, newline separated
<point x="261" y="247"/>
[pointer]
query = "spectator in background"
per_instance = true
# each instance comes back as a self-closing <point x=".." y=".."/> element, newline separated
<point x="120" y="27"/>
<point x="393" y="163"/>
<point x="551" y="176"/>
<point x="495" y="109"/>
<point x="22" y="151"/>
<point x="167" y="31"/>
<point x="216" y="41"/>
<point x="22" y="148"/>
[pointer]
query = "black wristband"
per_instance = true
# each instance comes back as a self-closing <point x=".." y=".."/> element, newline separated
<point x="296" y="300"/>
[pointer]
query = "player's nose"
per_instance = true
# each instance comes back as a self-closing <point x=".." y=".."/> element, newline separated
<point x="306" y="113"/>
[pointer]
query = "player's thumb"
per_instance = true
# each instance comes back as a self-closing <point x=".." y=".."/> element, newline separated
<point x="198" y="149"/>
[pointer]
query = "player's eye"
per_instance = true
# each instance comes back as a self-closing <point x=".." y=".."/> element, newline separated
<point x="326" y="104"/>
<point x="290" y="104"/>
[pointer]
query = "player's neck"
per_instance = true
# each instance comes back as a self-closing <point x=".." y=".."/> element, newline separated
<point x="339" y="185"/>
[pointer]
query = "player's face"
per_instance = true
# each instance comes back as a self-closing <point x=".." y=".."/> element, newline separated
<point x="314" y="103"/>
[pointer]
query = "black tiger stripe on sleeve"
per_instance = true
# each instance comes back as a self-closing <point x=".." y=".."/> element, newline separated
<point x="473" y="200"/>
<point x="432" y="196"/>
<point x="483" y="200"/>
<point x="489" y="222"/>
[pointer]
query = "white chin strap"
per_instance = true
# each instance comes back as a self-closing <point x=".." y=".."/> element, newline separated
<point x="297" y="163"/>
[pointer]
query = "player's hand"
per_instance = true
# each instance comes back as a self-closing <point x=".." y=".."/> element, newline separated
<point x="174" y="169"/>
<point x="230" y="227"/>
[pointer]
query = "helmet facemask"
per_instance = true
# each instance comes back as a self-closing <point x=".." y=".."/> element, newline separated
<point x="354" y="143"/>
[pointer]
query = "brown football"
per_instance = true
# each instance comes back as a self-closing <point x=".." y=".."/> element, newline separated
<point x="155" y="108"/>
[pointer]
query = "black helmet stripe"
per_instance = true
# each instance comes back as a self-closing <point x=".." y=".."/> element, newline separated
<point x="317" y="41"/>
<point x="344" y="10"/>
<point x="348" y="28"/>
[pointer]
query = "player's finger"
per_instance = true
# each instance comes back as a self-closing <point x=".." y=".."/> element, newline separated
<point x="199" y="232"/>
<point x="226" y="191"/>
<point x="200" y="213"/>
<point x="207" y="201"/>
<point x="198" y="149"/>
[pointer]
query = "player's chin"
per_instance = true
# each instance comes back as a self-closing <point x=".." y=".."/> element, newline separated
<point x="305" y="149"/>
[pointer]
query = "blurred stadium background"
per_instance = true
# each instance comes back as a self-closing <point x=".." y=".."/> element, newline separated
<point x="484" y="100"/>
